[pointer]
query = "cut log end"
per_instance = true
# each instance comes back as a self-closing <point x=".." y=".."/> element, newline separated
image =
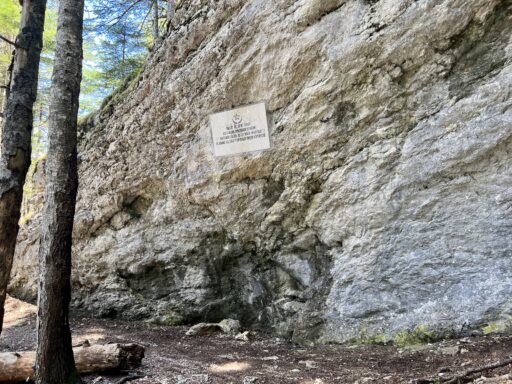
<point x="130" y="356"/>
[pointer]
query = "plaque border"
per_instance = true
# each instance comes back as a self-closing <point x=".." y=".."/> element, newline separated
<point x="256" y="151"/>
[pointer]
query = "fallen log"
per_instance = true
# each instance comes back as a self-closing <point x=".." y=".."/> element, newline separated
<point x="19" y="366"/>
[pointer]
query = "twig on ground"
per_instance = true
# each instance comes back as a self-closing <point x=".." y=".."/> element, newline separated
<point x="466" y="375"/>
<point x="130" y="378"/>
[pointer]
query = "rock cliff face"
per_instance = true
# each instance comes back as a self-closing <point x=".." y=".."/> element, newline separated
<point x="385" y="203"/>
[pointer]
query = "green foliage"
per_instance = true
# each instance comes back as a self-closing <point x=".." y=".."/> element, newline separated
<point x="498" y="327"/>
<point x="9" y="17"/>
<point x="491" y="328"/>
<point x="121" y="53"/>
<point x="41" y="107"/>
<point x="50" y="33"/>
<point x="30" y="189"/>
<point x="25" y="219"/>
<point x="169" y="318"/>
<point x="10" y="13"/>
<point x="9" y="22"/>
<point x="120" y="32"/>
<point x="420" y="335"/>
<point x="117" y="41"/>
<point x="366" y="338"/>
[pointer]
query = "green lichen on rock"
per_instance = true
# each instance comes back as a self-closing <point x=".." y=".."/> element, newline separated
<point x="29" y="189"/>
<point x="168" y="318"/>
<point x="498" y="327"/>
<point x="422" y="334"/>
<point x="25" y="218"/>
<point x="366" y="337"/>
<point x="108" y="104"/>
<point x="33" y="190"/>
<point x="125" y="88"/>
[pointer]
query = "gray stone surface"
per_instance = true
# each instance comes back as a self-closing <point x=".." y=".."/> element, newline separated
<point x="230" y="326"/>
<point x="385" y="203"/>
<point x="203" y="329"/>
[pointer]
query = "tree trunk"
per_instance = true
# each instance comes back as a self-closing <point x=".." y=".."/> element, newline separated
<point x="170" y="11"/>
<point x="19" y="366"/>
<point x="16" y="131"/>
<point x="124" y="55"/>
<point x="156" y="30"/>
<point x="55" y="363"/>
<point x="7" y="86"/>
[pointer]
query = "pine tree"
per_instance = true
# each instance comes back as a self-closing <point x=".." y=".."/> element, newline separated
<point x="9" y="16"/>
<point x="55" y="362"/>
<point x="15" y="152"/>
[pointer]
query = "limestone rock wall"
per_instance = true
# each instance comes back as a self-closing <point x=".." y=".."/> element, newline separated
<point x="385" y="203"/>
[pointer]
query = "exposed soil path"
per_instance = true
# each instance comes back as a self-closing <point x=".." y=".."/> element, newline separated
<point x="173" y="358"/>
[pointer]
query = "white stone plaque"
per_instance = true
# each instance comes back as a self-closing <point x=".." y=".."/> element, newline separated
<point x="240" y="130"/>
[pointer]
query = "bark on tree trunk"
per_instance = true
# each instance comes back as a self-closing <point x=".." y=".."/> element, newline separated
<point x="55" y="363"/>
<point x="19" y="366"/>
<point x="156" y="30"/>
<point x="170" y="10"/>
<point x="16" y="131"/>
<point x="7" y="85"/>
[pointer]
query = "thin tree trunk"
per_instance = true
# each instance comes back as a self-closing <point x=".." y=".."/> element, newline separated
<point x="170" y="10"/>
<point x="124" y="55"/>
<point x="156" y="31"/>
<point x="7" y="85"/>
<point x="16" y="146"/>
<point x="55" y="363"/>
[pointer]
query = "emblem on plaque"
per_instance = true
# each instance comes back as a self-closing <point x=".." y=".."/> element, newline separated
<point x="237" y="119"/>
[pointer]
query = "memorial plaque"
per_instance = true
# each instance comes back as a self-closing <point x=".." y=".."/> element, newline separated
<point x="240" y="130"/>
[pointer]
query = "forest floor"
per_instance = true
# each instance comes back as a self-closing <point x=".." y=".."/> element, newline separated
<point x="173" y="358"/>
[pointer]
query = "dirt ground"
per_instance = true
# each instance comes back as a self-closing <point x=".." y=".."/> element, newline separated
<point x="173" y="358"/>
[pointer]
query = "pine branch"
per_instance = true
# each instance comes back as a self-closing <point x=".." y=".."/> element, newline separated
<point x="123" y="14"/>
<point x="143" y="22"/>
